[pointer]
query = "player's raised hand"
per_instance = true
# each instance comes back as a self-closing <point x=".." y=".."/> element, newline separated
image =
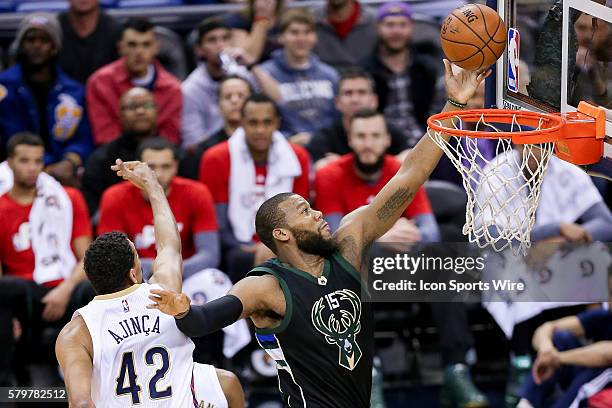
<point x="138" y="173"/>
<point x="168" y="302"/>
<point x="461" y="84"/>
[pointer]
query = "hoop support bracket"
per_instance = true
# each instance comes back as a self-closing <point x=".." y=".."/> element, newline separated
<point x="583" y="135"/>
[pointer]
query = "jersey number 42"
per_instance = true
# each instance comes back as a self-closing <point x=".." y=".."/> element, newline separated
<point x="127" y="380"/>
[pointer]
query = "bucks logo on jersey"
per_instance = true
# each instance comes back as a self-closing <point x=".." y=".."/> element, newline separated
<point x="337" y="316"/>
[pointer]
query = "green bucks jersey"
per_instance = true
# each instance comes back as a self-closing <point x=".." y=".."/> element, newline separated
<point x="323" y="346"/>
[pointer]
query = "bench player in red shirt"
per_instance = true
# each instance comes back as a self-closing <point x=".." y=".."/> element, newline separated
<point x="124" y="207"/>
<point x="260" y="123"/>
<point x="38" y="292"/>
<point x="354" y="179"/>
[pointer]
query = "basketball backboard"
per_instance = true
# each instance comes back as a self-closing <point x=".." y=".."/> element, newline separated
<point x="558" y="53"/>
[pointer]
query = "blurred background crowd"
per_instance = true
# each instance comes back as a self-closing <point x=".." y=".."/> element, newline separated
<point x="322" y="98"/>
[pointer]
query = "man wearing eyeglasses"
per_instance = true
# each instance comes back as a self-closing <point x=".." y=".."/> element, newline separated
<point x="138" y="117"/>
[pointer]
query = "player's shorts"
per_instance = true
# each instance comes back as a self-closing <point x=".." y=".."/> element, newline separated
<point x="206" y="388"/>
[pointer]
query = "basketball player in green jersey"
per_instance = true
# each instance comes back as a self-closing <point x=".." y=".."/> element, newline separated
<point x="306" y="304"/>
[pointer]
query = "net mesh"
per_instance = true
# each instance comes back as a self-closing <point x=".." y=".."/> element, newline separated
<point x="502" y="181"/>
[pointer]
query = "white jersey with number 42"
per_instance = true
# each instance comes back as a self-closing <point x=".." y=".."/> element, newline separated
<point x="139" y="355"/>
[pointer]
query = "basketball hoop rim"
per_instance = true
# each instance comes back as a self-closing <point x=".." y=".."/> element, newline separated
<point x="551" y="133"/>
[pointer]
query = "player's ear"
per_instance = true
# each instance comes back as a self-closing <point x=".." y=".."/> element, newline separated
<point x="280" y="234"/>
<point x="133" y="276"/>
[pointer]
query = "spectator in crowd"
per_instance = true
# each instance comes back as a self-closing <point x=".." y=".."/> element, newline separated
<point x="90" y="39"/>
<point x="405" y="80"/>
<point x="233" y="91"/>
<point x="355" y="93"/>
<point x="201" y="117"/>
<point x="564" y="361"/>
<point x="255" y="29"/>
<point x="136" y="67"/>
<point x="256" y="163"/>
<point x="346" y="32"/>
<point x="37" y="96"/>
<point x="354" y="179"/>
<point x="138" y="117"/>
<point x="44" y="232"/>
<point x="302" y="85"/>
<point x="125" y="208"/>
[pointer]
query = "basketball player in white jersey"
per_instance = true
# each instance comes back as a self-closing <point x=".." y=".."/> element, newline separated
<point x="116" y="352"/>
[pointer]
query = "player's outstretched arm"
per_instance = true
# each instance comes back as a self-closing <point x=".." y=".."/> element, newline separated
<point x="370" y="222"/>
<point x="251" y="297"/>
<point x="168" y="264"/>
<point x="74" y="352"/>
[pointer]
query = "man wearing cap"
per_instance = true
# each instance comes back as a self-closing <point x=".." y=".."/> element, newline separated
<point x="405" y="80"/>
<point x="37" y="96"/>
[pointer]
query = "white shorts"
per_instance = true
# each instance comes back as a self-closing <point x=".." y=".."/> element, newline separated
<point x="208" y="391"/>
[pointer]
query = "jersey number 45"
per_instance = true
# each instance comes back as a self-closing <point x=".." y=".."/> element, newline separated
<point x="127" y="380"/>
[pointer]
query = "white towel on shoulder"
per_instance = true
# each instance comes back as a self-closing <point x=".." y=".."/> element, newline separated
<point x="245" y="196"/>
<point x="50" y="227"/>
<point x="6" y="178"/>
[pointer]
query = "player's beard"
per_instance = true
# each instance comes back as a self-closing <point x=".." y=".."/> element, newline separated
<point x="369" y="168"/>
<point x="313" y="243"/>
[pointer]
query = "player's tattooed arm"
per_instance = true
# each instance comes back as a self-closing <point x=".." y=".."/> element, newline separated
<point x="368" y="223"/>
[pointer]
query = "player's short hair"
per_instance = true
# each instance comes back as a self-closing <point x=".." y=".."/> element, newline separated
<point x="366" y="114"/>
<point x="270" y="216"/>
<point x="108" y="261"/>
<point x="228" y="77"/>
<point x="356" y="73"/>
<point x="259" y="98"/>
<point x="140" y="24"/>
<point x="22" y="138"/>
<point x="156" y="143"/>
<point x="296" y="15"/>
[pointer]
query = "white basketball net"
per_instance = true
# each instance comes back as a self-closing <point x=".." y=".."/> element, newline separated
<point x="503" y="192"/>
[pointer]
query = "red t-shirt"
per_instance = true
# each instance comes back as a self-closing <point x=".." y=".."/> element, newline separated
<point x="339" y="189"/>
<point x="16" y="254"/>
<point x="123" y="208"/>
<point x="215" y="172"/>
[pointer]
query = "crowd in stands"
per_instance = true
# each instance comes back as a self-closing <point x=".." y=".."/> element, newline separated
<point x="324" y="103"/>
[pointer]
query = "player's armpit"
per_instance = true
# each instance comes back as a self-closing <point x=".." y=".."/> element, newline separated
<point x="231" y="388"/>
<point x="259" y="294"/>
<point x="74" y="351"/>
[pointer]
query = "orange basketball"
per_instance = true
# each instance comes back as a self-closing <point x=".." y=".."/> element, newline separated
<point x="473" y="36"/>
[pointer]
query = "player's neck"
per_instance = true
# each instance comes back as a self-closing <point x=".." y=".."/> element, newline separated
<point x="22" y="195"/>
<point x="230" y="128"/>
<point x="367" y="177"/>
<point x="309" y="263"/>
<point x="259" y="156"/>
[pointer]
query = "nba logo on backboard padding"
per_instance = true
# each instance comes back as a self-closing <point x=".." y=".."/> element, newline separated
<point x="513" y="60"/>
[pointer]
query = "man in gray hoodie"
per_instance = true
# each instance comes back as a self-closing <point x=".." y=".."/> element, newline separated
<point x="302" y="85"/>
